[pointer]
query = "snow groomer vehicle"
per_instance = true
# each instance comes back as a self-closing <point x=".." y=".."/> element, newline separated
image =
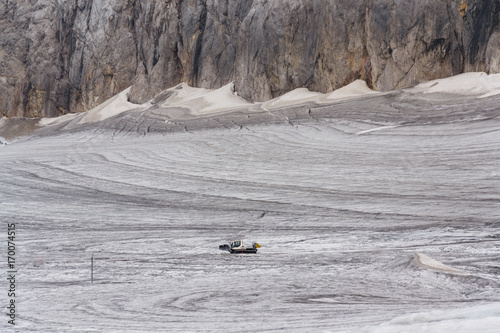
<point x="238" y="247"/>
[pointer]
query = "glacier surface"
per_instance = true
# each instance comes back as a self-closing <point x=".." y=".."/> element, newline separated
<point x="342" y="199"/>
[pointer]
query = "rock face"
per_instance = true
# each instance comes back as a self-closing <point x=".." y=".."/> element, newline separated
<point x="68" y="56"/>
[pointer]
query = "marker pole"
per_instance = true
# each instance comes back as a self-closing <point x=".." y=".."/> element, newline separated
<point x="92" y="268"/>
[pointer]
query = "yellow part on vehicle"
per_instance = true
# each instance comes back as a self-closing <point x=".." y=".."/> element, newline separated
<point x="257" y="245"/>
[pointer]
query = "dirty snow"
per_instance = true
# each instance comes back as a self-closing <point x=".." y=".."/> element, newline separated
<point x="474" y="83"/>
<point x="201" y="101"/>
<point x="112" y="107"/>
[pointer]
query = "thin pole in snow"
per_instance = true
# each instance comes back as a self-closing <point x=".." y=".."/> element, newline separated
<point x="92" y="268"/>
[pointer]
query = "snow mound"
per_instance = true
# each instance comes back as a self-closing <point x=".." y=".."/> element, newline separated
<point x="355" y="89"/>
<point x="183" y="93"/>
<point x="427" y="262"/>
<point x="475" y="83"/>
<point x="482" y="318"/>
<point x="56" y="120"/>
<point x="294" y="97"/>
<point x="110" y="108"/>
<point x="202" y="101"/>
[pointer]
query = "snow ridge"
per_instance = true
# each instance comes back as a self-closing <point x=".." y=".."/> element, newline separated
<point x="426" y="262"/>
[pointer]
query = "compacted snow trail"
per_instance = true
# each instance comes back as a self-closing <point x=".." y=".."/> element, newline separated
<point x="341" y="208"/>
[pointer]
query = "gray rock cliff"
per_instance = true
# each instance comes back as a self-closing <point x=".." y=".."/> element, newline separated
<point x="68" y="56"/>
